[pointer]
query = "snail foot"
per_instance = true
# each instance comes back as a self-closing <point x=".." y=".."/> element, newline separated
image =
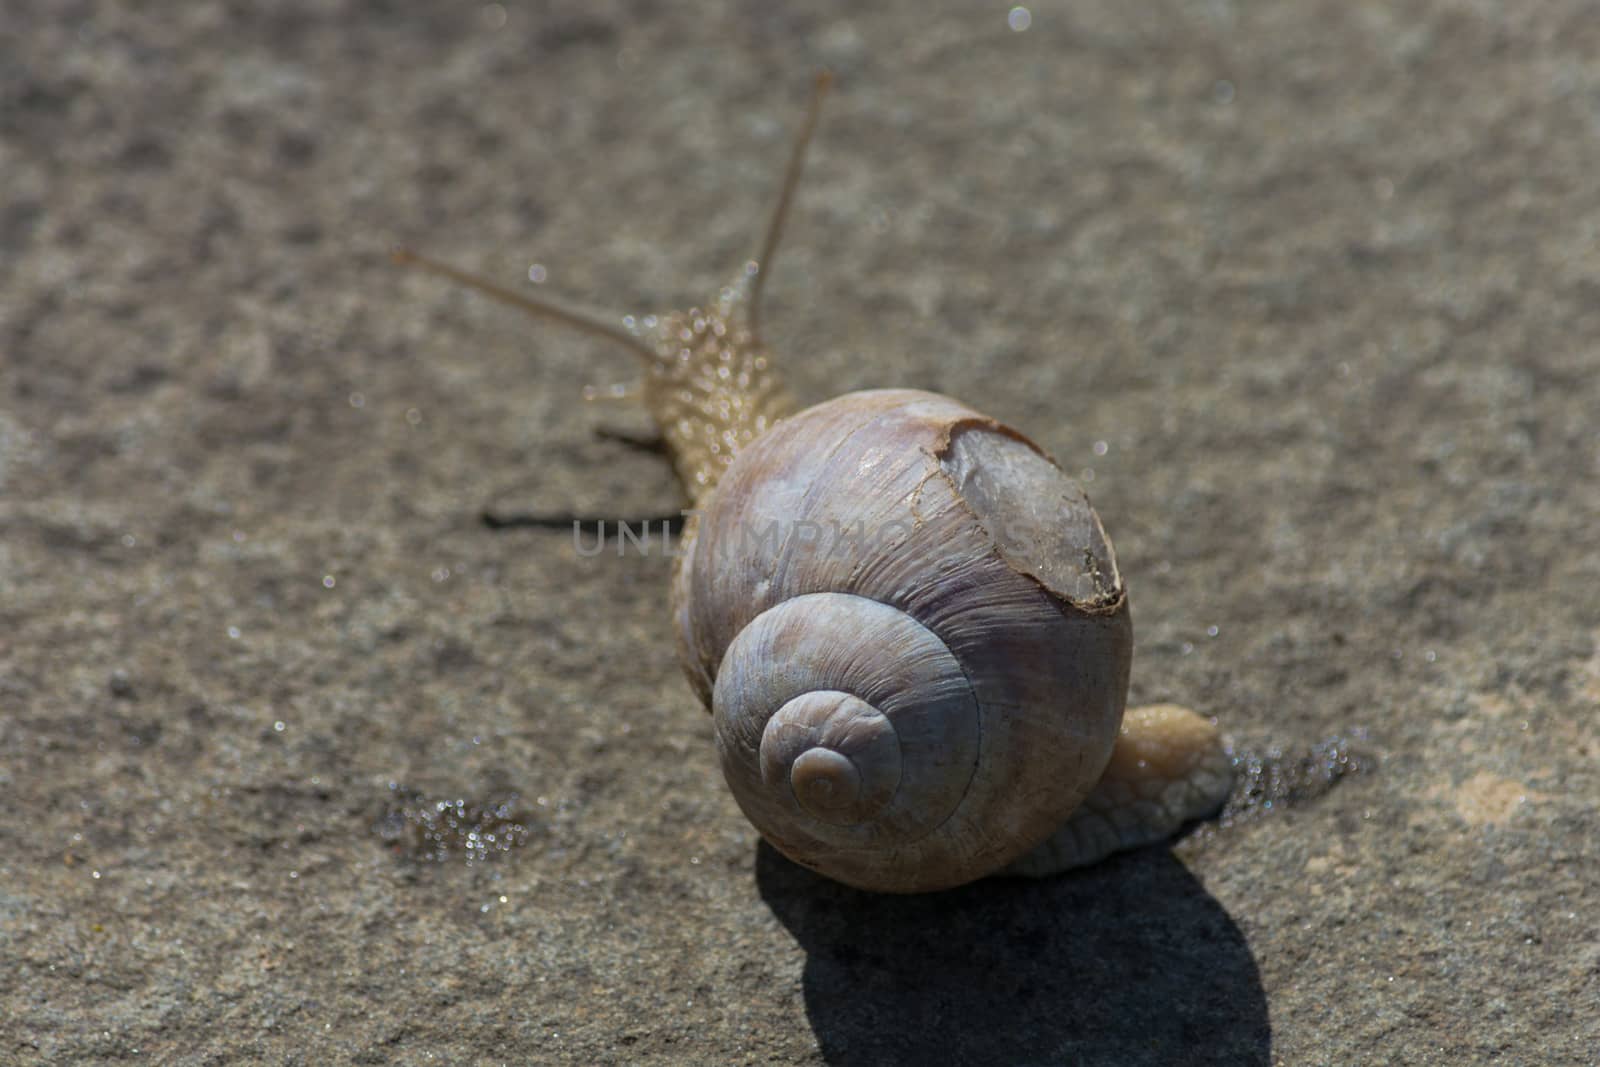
<point x="1168" y="767"/>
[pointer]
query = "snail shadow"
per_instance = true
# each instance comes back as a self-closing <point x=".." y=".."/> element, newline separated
<point x="1130" y="962"/>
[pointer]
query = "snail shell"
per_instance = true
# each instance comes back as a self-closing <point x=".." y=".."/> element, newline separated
<point x="909" y="626"/>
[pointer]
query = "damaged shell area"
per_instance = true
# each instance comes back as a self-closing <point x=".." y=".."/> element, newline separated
<point x="909" y="626"/>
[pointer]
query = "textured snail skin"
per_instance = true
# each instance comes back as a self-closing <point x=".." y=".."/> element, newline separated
<point x="1167" y="768"/>
<point x="710" y="387"/>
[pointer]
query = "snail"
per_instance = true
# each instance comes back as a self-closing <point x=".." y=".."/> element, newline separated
<point x="907" y="622"/>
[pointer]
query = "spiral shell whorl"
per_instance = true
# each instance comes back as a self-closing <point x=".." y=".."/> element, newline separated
<point x="838" y="754"/>
<point x="861" y="757"/>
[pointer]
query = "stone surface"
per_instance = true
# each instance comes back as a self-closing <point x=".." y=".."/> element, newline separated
<point x="1313" y="290"/>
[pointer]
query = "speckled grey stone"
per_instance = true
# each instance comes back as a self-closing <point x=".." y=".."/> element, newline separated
<point x="1311" y="291"/>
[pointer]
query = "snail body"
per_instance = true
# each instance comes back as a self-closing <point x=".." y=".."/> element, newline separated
<point x="907" y="622"/>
